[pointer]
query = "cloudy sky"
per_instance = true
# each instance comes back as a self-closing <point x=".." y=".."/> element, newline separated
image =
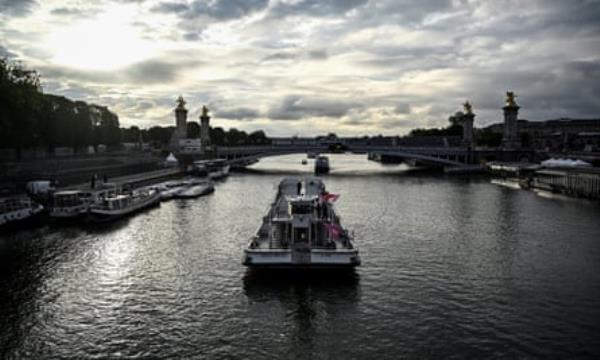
<point x="312" y="66"/>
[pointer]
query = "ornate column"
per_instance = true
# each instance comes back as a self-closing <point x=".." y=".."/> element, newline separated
<point x="510" y="140"/>
<point x="180" y="132"/>
<point x="205" y="127"/>
<point x="467" y="123"/>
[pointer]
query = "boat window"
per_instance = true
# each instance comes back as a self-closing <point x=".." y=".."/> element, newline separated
<point x="301" y="209"/>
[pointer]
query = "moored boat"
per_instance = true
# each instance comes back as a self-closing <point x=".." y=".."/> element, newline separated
<point x="322" y="165"/>
<point x="302" y="230"/>
<point x="15" y="210"/>
<point x="195" y="190"/>
<point x="214" y="169"/>
<point x="171" y="192"/>
<point x="121" y="205"/>
<point x="71" y="204"/>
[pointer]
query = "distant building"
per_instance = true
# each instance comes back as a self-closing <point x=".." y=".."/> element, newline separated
<point x="295" y="140"/>
<point x="557" y="135"/>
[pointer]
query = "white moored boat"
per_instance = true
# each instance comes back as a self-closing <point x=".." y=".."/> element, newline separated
<point x="18" y="209"/>
<point x="213" y="169"/>
<point x="301" y="230"/>
<point x="171" y="192"/>
<point x="71" y="204"/>
<point x="68" y="204"/>
<point x="195" y="190"/>
<point x="117" y="206"/>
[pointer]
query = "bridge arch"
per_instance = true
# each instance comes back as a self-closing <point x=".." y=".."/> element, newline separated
<point x="435" y="156"/>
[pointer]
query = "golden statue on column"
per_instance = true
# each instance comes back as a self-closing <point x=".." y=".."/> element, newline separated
<point x="510" y="98"/>
<point x="468" y="107"/>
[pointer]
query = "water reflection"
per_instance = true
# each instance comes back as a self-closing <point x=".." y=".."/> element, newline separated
<point x="452" y="267"/>
<point x="314" y="305"/>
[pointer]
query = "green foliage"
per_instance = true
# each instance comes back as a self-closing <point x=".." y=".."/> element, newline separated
<point x="160" y="135"/>
<point x="29" y="118"/>
<point x="235" y="137"/>
<point x="131" y="134"/>
<point x="486" y="137"/>
<point x="217" y="136"/>
<point x="21" y="104"/>
<point x="258" y="138"/>
<point x="193" y="130"/>
<point x="454" y="129"/>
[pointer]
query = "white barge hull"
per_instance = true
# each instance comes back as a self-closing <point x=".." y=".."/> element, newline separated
<point x="313" y="259"/>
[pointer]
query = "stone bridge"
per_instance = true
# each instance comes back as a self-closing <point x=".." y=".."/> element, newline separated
<point x="432" y="156"/>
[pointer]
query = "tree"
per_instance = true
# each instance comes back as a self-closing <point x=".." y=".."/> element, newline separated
<point x="454" y="129"/>
<point x="235" y="137"/>
<point x="258" y="138"/>
<point x="486" y="137"/>
<point x="193" y="130"/>
<point x="130" y="135"/>
<point x="217" y="136"/>
<point x="21" y="103"/>
<point x="160" y="135"/>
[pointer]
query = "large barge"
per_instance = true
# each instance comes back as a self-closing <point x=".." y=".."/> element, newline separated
<point x="302" y="230"/>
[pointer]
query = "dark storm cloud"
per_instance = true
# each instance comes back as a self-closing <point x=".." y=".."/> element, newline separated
<point x="172" y="7"/>
<point x="70" y="11"/>
<point x="280" y="56"/>
<point x="552" y="18"/>
<point x="403" y="108"/>
<point x="64" y="73"/>
<point x="315" y="7"/>
<point x="5" y="53"/>
<point x="240" y="113"/>
<point x="69" y="89"/>
<point x="152" y="72"/>
<point x="217" y="9"/>
<point x="155" y="71"/>
<point x="401" y="58"/>
<point x="16" y="7"/>
<point x="567" y="90"/>
<point x="295" y="107"/>
<point x="191" y="36"/>
<point x="320" y="54"/>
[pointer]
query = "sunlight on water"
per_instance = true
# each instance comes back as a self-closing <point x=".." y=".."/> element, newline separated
<point x="452" y="268"/>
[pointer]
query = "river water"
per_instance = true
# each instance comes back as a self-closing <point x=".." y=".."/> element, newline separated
<point x="452" y="268"/>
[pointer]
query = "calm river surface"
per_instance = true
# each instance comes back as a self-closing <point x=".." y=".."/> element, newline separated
<point x="452" y="268"/>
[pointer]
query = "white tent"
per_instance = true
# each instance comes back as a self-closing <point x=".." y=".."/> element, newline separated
<point x="171" y="160"/>
<point x="564" y="163"/>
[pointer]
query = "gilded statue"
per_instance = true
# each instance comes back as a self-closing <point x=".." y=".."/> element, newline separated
<point x="180" y="102"/>
<point x="468" y="107"/>
<point x="510" y="98"/>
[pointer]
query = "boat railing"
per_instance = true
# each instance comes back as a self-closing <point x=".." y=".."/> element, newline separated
<point x="13" y="204"/>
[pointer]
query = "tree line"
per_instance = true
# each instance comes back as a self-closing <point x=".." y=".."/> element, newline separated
<point x="161" y="135"/>
<point x="483" y="137"/>
<point x="29" y="118"/>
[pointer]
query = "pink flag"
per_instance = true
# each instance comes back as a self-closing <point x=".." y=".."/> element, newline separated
<point x="334" y="230"/>
<point x="329" y="197"/>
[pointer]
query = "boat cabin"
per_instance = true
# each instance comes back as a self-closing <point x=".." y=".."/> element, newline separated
<point x="69" y="198"/>
<point x="115" y="202"/>
<point x="298" y="215"/>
